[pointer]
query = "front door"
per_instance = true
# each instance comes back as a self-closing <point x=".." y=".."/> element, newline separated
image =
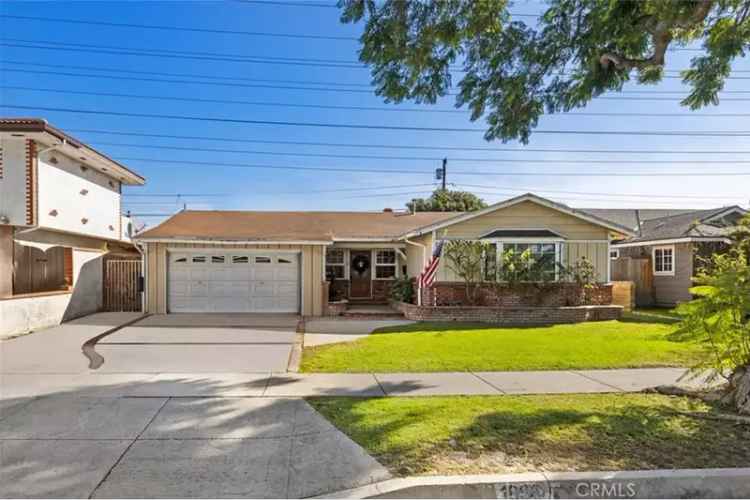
<point x="360" y="274"/>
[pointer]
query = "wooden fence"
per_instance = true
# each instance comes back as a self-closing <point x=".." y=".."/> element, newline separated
<point x="121" y="290"/>
<point x="637" y="270"/>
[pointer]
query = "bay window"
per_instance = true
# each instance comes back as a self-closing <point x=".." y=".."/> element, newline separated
<point x="547" y="255"/>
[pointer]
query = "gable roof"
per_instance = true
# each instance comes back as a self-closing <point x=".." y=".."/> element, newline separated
<point x="314" y="227"/>
<point x="697" y="224"/>
<point x="560" y="207"/>
<point x="629" y="217"/>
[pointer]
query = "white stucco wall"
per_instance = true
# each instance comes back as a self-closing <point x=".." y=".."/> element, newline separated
<point x="13" y="181"/>
<point x="76" y="192"/>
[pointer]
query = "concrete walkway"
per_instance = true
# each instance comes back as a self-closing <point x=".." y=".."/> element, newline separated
<point x="21" y="385"/>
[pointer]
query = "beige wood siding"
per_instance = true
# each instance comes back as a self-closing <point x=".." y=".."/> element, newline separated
<point x="311" y="272"/>
<point x="595" y="252"/>
<point x="527" y="215"/>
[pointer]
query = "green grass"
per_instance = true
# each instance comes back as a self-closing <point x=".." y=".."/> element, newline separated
<point x="432" y="347"/>
<point x="495" y="434"/>
<point x="657" y="311"/>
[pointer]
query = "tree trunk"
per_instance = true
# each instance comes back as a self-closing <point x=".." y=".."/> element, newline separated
<point x="738" y="394"/>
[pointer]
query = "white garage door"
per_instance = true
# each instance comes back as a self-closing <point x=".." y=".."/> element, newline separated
<point x="234" y="282"/>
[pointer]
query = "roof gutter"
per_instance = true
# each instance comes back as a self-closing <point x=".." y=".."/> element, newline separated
<point x="671" y="241"/>
<point x="231" y="242"/>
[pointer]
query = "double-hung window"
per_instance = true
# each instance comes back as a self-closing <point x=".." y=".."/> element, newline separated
<point x="663" y="258"/>
<point x="385" y="264"/>
<point x="336" y="263"/>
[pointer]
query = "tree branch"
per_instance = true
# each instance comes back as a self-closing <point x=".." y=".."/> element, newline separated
<point x="662" y="36"/>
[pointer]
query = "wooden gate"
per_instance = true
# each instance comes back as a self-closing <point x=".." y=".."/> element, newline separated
<point x="121" y="285"/>
<point x="637" y="270"/>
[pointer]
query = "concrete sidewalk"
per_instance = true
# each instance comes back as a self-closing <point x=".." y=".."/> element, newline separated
<point x="338" y="384"/>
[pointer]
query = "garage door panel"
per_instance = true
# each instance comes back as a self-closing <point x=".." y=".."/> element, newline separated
<point x="263" y="274"/>
<point x="234" y="282"/>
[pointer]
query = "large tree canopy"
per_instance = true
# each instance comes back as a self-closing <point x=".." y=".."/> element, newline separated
<point x="513" y="71"/>
<point x="447" y="201"/>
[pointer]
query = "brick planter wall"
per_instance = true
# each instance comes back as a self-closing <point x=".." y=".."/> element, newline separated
<point x="445" y="293"/>
<point x="381" y="290"/>
<point x="510" y="316"/>
<point x="336" y="308"/>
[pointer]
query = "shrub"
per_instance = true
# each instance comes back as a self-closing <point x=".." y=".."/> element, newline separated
<point x="402" y="289"/>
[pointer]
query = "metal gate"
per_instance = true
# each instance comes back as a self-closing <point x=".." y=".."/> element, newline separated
<point x="121" y="285"/>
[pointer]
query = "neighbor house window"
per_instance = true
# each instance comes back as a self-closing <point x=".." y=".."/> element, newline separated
<point x="663" y="258"/>
<point x="385" y="264"/>
<point x="336" y="263"/>
<point x="490" y="263"/>
<point x="614" y="253"/>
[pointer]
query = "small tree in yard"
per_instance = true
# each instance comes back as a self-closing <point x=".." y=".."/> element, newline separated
<point x="465" y="259"/>
<point x="719" y="318"/>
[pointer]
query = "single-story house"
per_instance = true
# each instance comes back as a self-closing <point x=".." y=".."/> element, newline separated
<point x="60" y="218"/>
<point x="251" y="261"/>
<point x="673" y="242"/>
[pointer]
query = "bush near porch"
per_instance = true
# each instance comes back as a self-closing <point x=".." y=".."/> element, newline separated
<point x="564" y="294"/>
<point x="436" y="347"/>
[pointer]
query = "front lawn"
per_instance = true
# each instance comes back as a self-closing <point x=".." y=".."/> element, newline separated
<point x="433" y="347"/>
<point x="496" y="434"/>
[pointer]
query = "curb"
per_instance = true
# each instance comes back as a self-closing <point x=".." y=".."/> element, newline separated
<point x="663" y="483"/>
<point x="88" y="348"/>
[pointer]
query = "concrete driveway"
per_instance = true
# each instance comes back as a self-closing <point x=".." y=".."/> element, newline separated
<point x="201" y="343"/>
<point x="72" y="445"/>
<point x="126" y="431"/>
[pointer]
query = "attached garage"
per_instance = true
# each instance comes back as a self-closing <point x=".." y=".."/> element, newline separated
<point x="234" y="281"/>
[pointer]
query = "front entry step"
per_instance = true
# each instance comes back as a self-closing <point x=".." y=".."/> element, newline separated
<point x="357" y="311"/>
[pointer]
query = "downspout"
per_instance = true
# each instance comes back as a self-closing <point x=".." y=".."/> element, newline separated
<point x="419" y="285"/>
<point x="142" y="249"/>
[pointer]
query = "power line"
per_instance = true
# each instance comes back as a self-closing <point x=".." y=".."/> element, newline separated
<point x="408" y="147"/>
<point x="189" y="75"/>
<point x="347" y="107"/>
<point x="203" y="56"/>
<point x="420" y="158"/>
<point x="380" y="171"/>
<point x="632" y="195"/>
<point x="179" y="28"/>
<point x="723" y="133"/>
<point x="180" y="54"/>
<point x="174" y="195"/>
<point x="338" y="90"/>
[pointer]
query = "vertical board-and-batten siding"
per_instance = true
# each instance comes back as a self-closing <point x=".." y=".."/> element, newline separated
<point x="589" y="240"/>
<point x="311" y="272"/>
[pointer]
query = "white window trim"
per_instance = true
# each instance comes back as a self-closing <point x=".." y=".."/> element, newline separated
<point x="615" y="251"/>
<point x="347" y="257"/>
<point x="375" y="265"/>
<point x="653" y="260"/>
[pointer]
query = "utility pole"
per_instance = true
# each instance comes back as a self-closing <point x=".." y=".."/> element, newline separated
<point x="445" y="173"/>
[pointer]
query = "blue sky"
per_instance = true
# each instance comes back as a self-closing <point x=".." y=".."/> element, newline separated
<point x="267" y="189"/>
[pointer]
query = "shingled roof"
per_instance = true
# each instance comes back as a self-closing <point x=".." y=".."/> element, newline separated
<point x="289" y="226"/>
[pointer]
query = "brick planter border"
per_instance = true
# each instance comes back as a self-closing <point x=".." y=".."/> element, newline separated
<point x="511" y="316"/>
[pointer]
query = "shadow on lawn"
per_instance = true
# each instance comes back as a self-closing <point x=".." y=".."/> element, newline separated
<point x="530" y="434"/>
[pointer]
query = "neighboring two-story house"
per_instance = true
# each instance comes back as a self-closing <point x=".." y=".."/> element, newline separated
<point x="60" y="213"/>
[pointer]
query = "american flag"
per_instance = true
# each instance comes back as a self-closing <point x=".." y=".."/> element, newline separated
<point x="427" y="278"/>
